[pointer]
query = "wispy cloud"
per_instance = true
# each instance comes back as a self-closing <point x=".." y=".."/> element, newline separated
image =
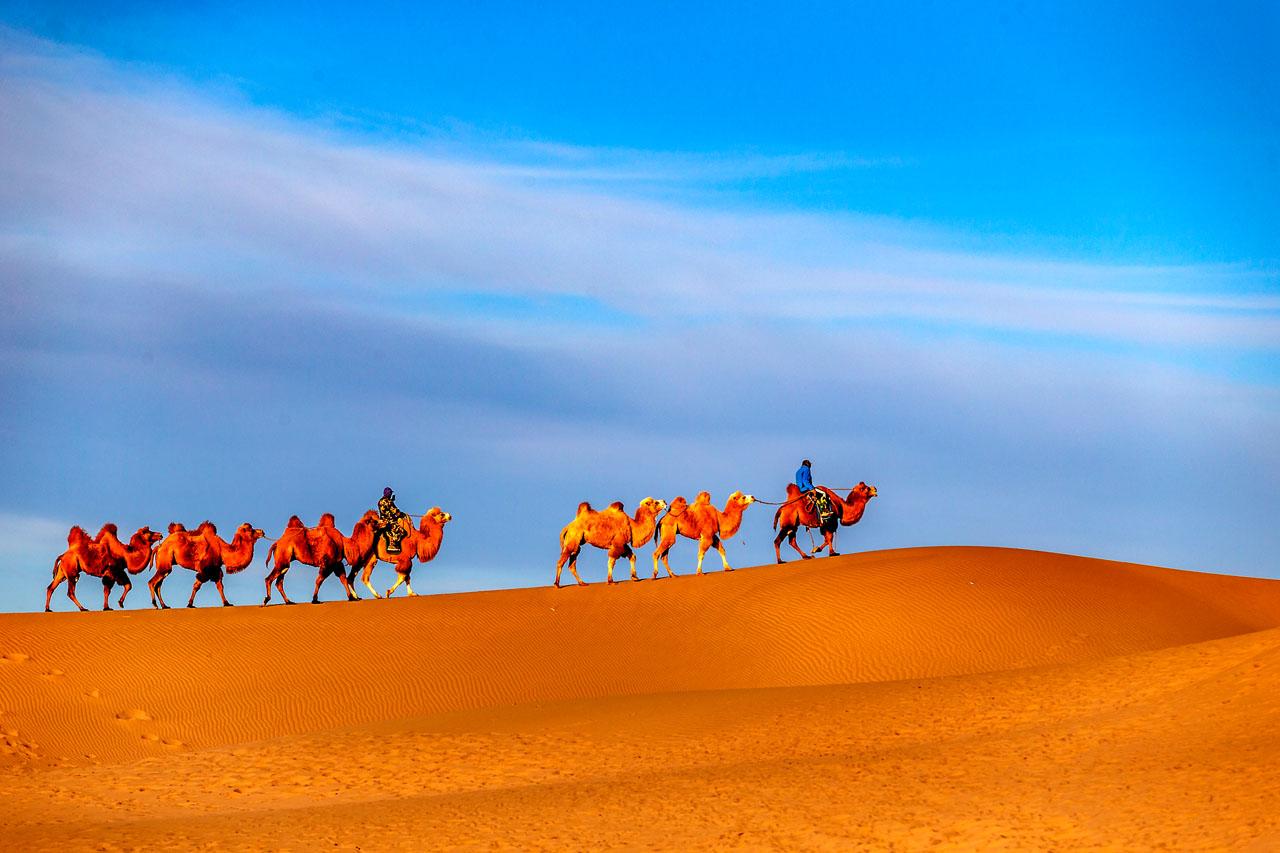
<point x="109" y="169"/>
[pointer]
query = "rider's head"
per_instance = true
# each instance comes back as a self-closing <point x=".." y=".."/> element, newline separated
<point x="386" y="493"/>
<point x="805" y="464"/>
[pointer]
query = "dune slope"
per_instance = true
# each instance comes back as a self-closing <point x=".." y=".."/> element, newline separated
<point x="909" y="697"/>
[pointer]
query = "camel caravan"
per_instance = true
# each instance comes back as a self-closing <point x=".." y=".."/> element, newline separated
<point x="618" y="534"/>
<point x="211" y="558"/>
<point x="389" y="536"/>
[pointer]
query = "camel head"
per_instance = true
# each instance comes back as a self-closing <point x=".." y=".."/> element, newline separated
<point x="656" y="505"/>
<point x="247" y="529"/>
<point x="147" y="535"/>
<point x="327" y="520"/>
<point x="437" y="515"/>
<point x="739" y="499"/>
<point x="862" y="490"/>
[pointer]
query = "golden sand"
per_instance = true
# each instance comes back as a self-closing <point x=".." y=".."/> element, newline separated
<point x="934" y="697"/>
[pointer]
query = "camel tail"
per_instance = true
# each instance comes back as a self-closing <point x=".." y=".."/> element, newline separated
<point x="777" y="515"/>
<point x="271" y="550"/>
<point x="56" y="561"/>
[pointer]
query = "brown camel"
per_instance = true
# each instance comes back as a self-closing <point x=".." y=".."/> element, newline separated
<point x="796" y="513"/>
<point x="320" y="546"/>
<point x="367" y="548"/>
<point x="104" y="556"/>
<point x="206" y="554"/>
<point x="611" y="529"/>
<point x="702" y="521"/>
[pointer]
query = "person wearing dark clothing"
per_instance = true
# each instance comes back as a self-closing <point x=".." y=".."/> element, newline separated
<point x="815" y="499"/>
<point x="389" y="516"/>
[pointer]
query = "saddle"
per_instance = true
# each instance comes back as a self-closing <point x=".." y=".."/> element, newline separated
<point x="819" y="503"/>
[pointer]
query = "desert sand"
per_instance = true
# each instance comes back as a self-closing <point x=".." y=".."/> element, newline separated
<point x="908" y="699"/>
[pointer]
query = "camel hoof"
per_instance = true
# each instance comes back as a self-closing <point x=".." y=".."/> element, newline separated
<point x="582" y="583"/>
<point x="290" y="603"/>
<point x="315" y="601"/>
<point x="48" y="610"/>
<point x="728" y="569"/>
<point x="227" y="604"/>
<point x="105" y="608"/>
<point x="191" y="607"/>
<point x="834" y="554"/>
<point x="805" y="557"/>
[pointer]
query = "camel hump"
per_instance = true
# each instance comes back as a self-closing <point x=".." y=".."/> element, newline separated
<point x="294" y="521"/>
<point x="793" y="491"/>
<point x="678" y="506"/>
<point x="327" y="520"/>
<point x="75" y="534"/>
<point x="617" y="505"/>
<point x="584" y="508"/>
<point x="703" y="498"/>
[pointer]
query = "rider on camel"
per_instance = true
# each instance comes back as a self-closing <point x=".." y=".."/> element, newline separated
<point x="815" y="499"/>
<point x="389" y="516"/>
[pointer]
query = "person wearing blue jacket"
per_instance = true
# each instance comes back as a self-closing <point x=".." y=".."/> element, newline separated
<point x="815" y="499"/>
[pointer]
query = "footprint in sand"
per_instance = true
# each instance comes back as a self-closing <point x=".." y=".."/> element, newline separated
<point x="173" y="744"/>
<point x="151" y="737"/>
<point x="93" y="693"/>
<point x="53" y="674"/>
<point x="15" y="657"/>
<point x="133" y="715"/>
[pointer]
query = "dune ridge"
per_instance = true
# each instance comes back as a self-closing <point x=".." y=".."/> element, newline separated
<point x="471" y="716"/>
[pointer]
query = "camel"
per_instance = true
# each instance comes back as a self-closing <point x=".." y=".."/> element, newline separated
<point x="795" y="513"/>
<point x="205" y="553"/>
<point x="702" y="521"/>
<point x="104" y="556"/>
<point x="364" y="548"/>
<point x="320" y="546"/>
<point x="611" y="529"/>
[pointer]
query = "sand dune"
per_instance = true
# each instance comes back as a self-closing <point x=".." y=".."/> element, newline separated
<point x="964" y="696"/>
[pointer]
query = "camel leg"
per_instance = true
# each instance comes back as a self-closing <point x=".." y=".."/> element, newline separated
<point x="191" y="602"/>
<point x="667" y="565"/>
<point x="107" y="584"/>
<point x="271" y="575"/>
<point x="777" y="544"/>
<point x="279" y="586"/>
<point x="564" y="556"/>
<point x="660" y="551"/>
<point x="609" y="575"/>
<point x="154" y="586"/>
<point x="58" y="578"/>
<point x="71" y="593"/>
<point x="124" y="593"/>
<point x="704" y="544"/>
<point x="409" y="586"/>
<point x="723" y="559"/>
<point x="633" y="567"/>
<point x="218" y="583"/>
<point x="320" y="576"/>
<point x="799" y="550"/>
<point x="399" y="580"/>
<point x="367" y="574"/>
<point x="346" y="586"/>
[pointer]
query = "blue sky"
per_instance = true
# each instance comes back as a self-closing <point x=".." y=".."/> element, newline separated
<point x="1016" y="266"/>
